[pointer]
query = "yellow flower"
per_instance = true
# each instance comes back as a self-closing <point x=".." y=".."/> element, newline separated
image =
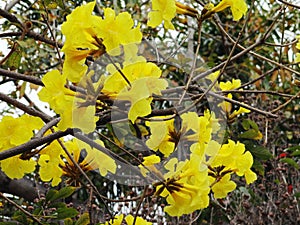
<point x="234" y="158"/>
<point x="117" y="30"/>
<point x="298" y="43"/>
<point x="58" y="96"/>
<point x="93" y="160"/>
<point x="129" y="220"/>
<point x="203" y="126"/>
<point x="163" y="136"/>
<point x="17" y="131"/>
<point x="144" y="79"/>
<point x="162" y="10"/>
<point x="14" y="132"/>
<point x="139" y="221"/>
<point x="140" y="95"/>
<point x="55" y="93"/>
<point x="49" y="162"/>
<point x="15" y="167"/>
<point x="50" y="170"/>
<point x="227" y="106"/>
<point x="116" y="221"/>
<point x="90" y="35"/>
<point x="238" y="112"/>
<point x="185" y="188"/>
<point x="84" y="117"/>
<point x="297" y="57"/>
<point x="67" y="103"/>
<point x="81" y="40"/>
<point x="149" y="165"/>
<point x="298" y="47"/>
<point x="222" y="187"/>
<point x="230" y="85"/>
<point x="238" y="8"/>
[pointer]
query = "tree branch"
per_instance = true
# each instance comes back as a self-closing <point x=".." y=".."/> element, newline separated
<point x="33" y="143"/>
<point x="24" y="107"/>
<point x="29" y="33"/>
<point x="23" y="188"/>
<point x="19" y="76"/>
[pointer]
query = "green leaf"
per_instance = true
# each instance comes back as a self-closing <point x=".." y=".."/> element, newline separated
<point x="14" y="60"/>
<point x="257" y="166"/>
<point x="259" y="152"/>
<point x="50" y="194"/>
<point x="68" y="221"/>
<point x="57" y="204"/>
<point x="23" y="89"/>
<point x="83" y="220"/>
<point x="20" y="217"/>
<point x="8" y="223"/>
<point x="297" y="194"/>
<point x="62" y="193"/>
<point x="296" y="153"/>
<point x="293" y="148"/>
<point x="291" y="162"/>
<point x="250" y="134"/>
<point x="251" y="130"/>
<point x="63" y="213"/>
<point x="247" y="124"/>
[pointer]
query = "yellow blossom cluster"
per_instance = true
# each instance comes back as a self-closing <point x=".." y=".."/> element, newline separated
<point x="165" y="11"/>
<point x="14" y="132"/>
<point x="129" y="219"/>
<point x="228" y="86"/>
<point x="77" y="94"/>
<point x="186" y="184"/>
<point x="54" y="163"/>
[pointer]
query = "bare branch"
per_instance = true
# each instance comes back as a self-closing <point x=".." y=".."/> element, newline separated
<point x="23" y="188"/>
<point x="33" y="143"/>
<point x="24" y="107"/>
<point x="19" y="76"/>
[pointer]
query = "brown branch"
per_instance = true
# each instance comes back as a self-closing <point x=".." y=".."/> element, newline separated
<point x="253" y="109"/>
<point x="259" y="92"/>
<point x="23" y="188"/>
<point x="21" y="209"/>
<point x="33" y="143"/>
<point x="52" y="35"/>
<point x="24" y="107"/>
<point x="29" y="33"/>
<point x="10" y="34"/>
<point x="19" y="76"/>
<point x="9" y="16"/>
<point x="39" y="37"/>
<point x="286" y="103"/>
<point x="290" y="4"/>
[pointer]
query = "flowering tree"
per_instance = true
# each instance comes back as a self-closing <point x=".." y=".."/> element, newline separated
<point x="154" y="112"/>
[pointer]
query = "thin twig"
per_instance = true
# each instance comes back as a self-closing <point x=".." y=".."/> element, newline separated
<point x="19" y="76"/>
<point x="140" y="204"/>
<point x="24" y="107"/>
<point x="85" y="175"/>
<point x="290" y="4"/>
<point x="268" y="114"/>
<point x="47" y="126"/>
<point x="52" y="35"/>
<point x="286" y="103"/>
<point x="194" y="62"/>
<point x="222" y="70"/>
<point x="21" y="209"/>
